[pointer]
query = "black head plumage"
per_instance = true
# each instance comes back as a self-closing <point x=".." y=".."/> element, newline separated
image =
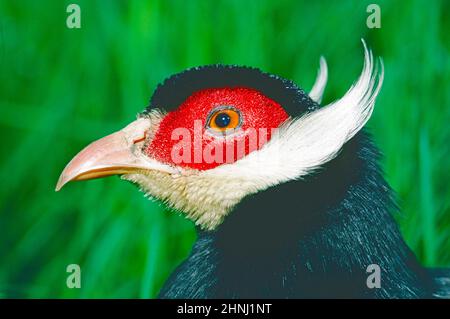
<point x="175" y="89"/>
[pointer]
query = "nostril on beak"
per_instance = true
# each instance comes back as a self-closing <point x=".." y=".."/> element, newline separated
<point x="142" y="139"/>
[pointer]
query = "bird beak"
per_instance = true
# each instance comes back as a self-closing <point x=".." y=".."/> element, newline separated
<point x="116" y="154"/>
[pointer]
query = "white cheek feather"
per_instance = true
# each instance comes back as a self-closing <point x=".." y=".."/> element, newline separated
<point x="318" y="88"/>
<point x="303" y="144"/>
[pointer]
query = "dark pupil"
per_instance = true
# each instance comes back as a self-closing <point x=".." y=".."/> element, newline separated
<point x="222" y="120"/>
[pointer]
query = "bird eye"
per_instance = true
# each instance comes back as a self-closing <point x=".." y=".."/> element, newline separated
<point x="224" y="119"/>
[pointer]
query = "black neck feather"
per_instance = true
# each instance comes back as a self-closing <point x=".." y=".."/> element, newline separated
<point x="308" y="238"/>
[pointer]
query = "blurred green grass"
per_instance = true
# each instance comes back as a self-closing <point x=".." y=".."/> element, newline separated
<point x="61" y="88"/>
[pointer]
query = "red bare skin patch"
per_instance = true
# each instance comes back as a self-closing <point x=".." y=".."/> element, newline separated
<point x="259" y="115"/>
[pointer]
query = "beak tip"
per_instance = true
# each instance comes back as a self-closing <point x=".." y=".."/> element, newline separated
<point x="58" y="187"/>
<point x="61" y="182"/>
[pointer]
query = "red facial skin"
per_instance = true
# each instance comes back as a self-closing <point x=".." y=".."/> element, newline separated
<point x="257" y="112"/>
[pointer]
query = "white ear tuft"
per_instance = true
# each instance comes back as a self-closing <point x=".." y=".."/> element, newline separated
<point x="318" y="88"/>
<point x="303" y="144"/>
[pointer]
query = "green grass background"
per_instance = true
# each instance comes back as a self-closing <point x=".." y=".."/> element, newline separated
<point x="62" y="88"/>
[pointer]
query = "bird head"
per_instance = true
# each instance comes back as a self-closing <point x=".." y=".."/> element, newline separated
<point x="214" y="135"/>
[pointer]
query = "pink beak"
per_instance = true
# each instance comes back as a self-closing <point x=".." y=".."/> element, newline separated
<point x="116" y="154"/>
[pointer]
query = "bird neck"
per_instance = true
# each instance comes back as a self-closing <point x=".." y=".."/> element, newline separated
<point x="309" y="238"/>
<point x="348" y="191"/>
<point x="332" y="225"/>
